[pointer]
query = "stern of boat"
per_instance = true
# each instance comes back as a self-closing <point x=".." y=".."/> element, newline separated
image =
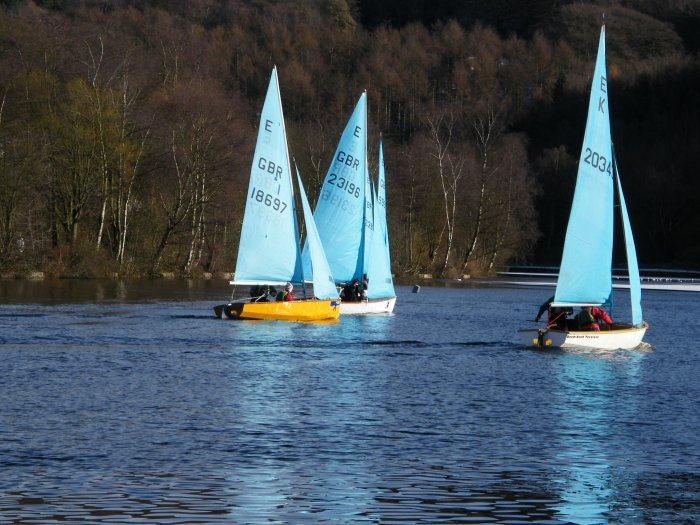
<point x="374" y="306"/>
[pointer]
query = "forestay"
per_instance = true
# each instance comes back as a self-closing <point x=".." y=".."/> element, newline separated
<point x="632" y="265"/>
<point x="268" y="249"/>
<point x="585" y="276"/>
<point x="381" y="284"/>
<point x="324" y="285"/>
<point x="339" y="213"/>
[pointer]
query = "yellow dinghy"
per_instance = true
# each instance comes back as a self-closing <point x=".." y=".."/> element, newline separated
<point x="269" y="252"/>
<point x="302" y="311"/>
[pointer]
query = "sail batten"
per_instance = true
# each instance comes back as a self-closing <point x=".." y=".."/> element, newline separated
<point x="585" y="276"/>
<point x="268" y="251"/>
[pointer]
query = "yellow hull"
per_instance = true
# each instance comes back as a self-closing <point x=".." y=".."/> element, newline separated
<point x="305" y="311"/>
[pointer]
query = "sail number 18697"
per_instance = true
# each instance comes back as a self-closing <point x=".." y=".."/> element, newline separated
<point x="598" y="161"/>
<point x="268" y="200"/>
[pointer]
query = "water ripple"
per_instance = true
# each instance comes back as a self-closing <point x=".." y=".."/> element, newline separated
<point x="155" y="412"/>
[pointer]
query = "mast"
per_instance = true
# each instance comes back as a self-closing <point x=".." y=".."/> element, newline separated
<point x="300" y="245"/>
<point x="297" y="234"/>
<point x="363" y="255"/>
<point x="368" y="200"/>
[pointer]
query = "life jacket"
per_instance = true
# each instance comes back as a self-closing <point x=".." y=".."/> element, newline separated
<point x="585" y="318"/>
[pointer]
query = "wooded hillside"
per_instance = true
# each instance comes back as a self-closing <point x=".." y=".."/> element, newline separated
<point x="127" y="127"/>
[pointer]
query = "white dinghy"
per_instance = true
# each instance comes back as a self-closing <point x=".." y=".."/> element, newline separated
<point x="585" y="276"/>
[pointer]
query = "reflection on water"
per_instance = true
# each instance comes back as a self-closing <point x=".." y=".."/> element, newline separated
<point x="582" y="403"/>
<point x="97" y="290"/>
<point x="146" y="409"/>
<point x="588" y="400"/>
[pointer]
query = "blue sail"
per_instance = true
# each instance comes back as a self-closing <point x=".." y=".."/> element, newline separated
<point x="324" y="285"/>
<point x="632" y="266"/>
<point x="381" y="284"/>
<point x="268" y="251"/>
<point x="340" y="208"/>
<point x="367" y="244"/>
<point x="585" y="276"/>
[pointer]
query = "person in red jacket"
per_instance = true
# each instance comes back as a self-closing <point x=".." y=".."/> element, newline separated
<point x="286" y="294"/>
<point x="589" y="317"/>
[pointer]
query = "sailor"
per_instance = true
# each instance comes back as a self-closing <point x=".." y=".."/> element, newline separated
<point x="261" y="293"/>
<point x="286" y="294"/>
<point x="352" y="292"/>
<point x="556" y="316"/>
<point x="588" y="318"/>
<point x="365" y="285"/>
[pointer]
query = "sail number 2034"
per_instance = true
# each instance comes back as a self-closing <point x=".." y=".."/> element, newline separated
<point x="598" y="161"/>
<point x="268" y="200"/>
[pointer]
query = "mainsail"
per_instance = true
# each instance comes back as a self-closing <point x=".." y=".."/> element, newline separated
<point x="268" y="251"/>
<point x="324" y="286"/>
<point x="585" y="276"/>
<point x="381" y="284"/>
<point x="339" y="213"/>
<point x="632" y="266"/>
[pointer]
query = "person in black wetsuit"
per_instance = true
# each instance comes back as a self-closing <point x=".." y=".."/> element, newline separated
<point x="352" y="292"/>
<point x="261" y="293"/>
<point x="556" y="315"/>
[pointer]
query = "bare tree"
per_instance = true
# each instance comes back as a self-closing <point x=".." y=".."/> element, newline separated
<point x="201" y="141"/>
<point x="177" y="205"/>
<point x="450" y="171"/>
<point x="487" y="126"/>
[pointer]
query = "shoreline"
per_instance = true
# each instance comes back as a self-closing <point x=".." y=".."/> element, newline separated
<point x="496" y="279"/>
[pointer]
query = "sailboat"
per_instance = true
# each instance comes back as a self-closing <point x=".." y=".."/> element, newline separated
<point x="269" y="252"/>
<point x="585" y="275"/>
<point x="351" y="219"/>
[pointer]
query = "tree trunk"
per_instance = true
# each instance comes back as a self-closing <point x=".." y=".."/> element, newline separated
<point x="165" y="237"/>
<point x="102" y="222"/>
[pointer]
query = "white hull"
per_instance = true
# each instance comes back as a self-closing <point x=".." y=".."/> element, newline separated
<point x="626" y="338"/>
<point x="376" y="306"/>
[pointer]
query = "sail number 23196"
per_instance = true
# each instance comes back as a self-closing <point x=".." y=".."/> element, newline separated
<point x="598" y="161"/>
<point x="268" y="200"/>
<point x="344" y="184"/>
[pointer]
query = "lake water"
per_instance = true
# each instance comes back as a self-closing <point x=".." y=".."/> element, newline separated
<point x="130" y="403"/>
